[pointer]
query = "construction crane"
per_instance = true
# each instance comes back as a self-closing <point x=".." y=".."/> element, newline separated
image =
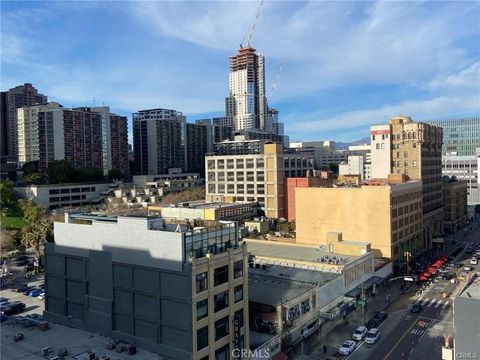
<point x="275" y="81"/>
<point x="249" y="35"/>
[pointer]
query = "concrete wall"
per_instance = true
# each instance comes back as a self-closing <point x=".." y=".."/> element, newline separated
<point x="360" y="214"/>
<point x="149" y="307"/>
<point x="160" y="249"/>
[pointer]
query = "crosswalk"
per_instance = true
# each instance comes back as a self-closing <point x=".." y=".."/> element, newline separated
<point x="436" y="303"/>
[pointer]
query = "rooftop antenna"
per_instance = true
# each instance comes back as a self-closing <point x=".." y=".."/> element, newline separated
<point x="249" y="35"/>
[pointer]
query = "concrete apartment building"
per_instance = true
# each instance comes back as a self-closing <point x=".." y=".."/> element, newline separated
<point x="455" y="201"/>
<point x="415" y="150"/>
<point x="254" y="177"/>
<point x="119" y="144"/>
<point x="158" y="141"/>
<point x="10" y="101"/>
<point x="51" y="132"/>
<point x="177" y="291"/>
<point x="388" y="216"/>
<point x="466" y="168"/>
<point x="353" y="166"/>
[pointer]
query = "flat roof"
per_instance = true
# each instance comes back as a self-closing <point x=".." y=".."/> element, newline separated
<point x="291" y="273"/>
<point x="202" y="204"/>
<point x="273" y="290"/>
<point x="300" y="253"/>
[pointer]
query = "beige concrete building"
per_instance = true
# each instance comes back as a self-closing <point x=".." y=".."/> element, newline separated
<point x="389" y="216"/>
<point x="415" y="150"/>
<point x="254" y="177"/>
<point x="455" y="201"/>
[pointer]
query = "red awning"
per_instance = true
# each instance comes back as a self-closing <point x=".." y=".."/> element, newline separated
<point x="423" y="278"/>
<point x="426" y="274"/>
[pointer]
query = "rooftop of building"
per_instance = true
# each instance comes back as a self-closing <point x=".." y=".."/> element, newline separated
<point x="99" y="182"/>
<point x="472" y="291"/>
<point x="299" y="252"/>
<point x="270" y="289"/>
<point x="203" y="204"/>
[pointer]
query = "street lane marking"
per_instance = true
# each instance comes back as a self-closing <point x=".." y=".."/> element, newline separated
<point x="400" y="340"/>
<point x="432" y="302"/>
<point x="446" y="304"/>
<point x="438" y="304"/>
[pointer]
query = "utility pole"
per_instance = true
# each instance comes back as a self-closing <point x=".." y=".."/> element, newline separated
<point x="407" y="254"/>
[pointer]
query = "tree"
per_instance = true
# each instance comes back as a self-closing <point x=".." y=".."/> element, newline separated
<point x="7" y="199"/>
<point x="60" y="171"/>
<point x="333" y="168"/>
<point x="34" y="178"/>
<point x="115" y="174"/>
<point x="87" y="174"/>
<point x="30" y="167"/>
<point x="31" y="211"/>
<point x="36" y="235"/>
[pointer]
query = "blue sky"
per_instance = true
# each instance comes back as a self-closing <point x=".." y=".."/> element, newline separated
<point x="347" y="64"/>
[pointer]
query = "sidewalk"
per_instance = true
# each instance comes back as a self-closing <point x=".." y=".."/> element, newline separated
<point x="313" y="348"/>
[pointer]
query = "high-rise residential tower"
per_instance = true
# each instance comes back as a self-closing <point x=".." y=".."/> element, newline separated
<point x="415" y="150"/>
<point x="119" y="143"/>
<point x="246" y="103"/>
<point x="158" y="141"/>
<point x="50" y="132"/>
<point x="10" y="101"/>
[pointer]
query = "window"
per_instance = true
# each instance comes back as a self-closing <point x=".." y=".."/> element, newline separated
<point x="202" y="309"/>
<point x="239" y="315"/>
<point x="221" y="328"/>
<point x="220" y="275"/>
<point x="55" y="191"/>
<point x="64" y="191"/>
<point x="202" y="338"/>
<point x="223" y="353"/>
<point x="378" y="146"/>
<point x="414" y="163"/>
<point x="383" y="146"/>
<point x="237" y="269"/>
<point x="220" y="301"/>
<point x="202" y="282"/>
<point x="238" y="293"/>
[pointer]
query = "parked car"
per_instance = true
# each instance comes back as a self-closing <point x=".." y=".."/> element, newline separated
<point x="469" y="250"/>
<point x="416" y="308"/>
<point x="467" y="268"/>
<point x="14" y="308"/>
<point x="473" y="261"/>
<point x="372" y="336"/>
<point x="360" y="333"/>
<point x="22" y="262"/>
<point x="3" y="317"/>
<point x="347" y="347"/>
<point x="3" y="300"/>
<point x="35" y="292"/>
<point x="20" y="288"/>
<point x="28" y="289"/>
<point x="381" y="315"/>
<point x="372" y="323"/>
<point x="457" y="265"/>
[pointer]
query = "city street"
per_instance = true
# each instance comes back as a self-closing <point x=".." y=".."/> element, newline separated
<point x="421" y="335"/>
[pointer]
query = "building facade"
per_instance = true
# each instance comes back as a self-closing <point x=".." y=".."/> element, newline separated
<point x="197" y="145"/>
<point x="324" y="153"/>
<point x="415" y="150"/>
<point x="50" y="132"/>
<point x="389" y="216"/>
<point x="465" y="168"/>
<point x="10" y="101"/>
<point x="254" y="177"/>
<point x="158" y="141"/>
<point x="247" y="103"/>
<point x="119" y="143"/>
<point x="455" y="200"/>
<point x="180" y="292"/>
<point x="461" y="136"/>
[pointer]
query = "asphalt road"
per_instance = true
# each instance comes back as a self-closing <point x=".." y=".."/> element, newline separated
<point x="405" y="335"/>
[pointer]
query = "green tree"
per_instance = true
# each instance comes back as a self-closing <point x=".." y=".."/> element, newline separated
<point x="333" y="168"/>
<point x="115" y="174"/>
<point x="30" y="167"/>
<point x="60" y="171"/>
<point x="7" y="199"/>
<point x="31" y="211"/>
<point x="88" y="174"/>
<point x="34" y="178"/>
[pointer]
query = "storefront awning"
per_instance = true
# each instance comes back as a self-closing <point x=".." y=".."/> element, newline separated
<point x="355" y="292"/>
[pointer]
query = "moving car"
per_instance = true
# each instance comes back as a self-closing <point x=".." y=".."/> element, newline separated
<point x="28" y="289"/>
<point x="463" y="276"/>
<point x="372" y="336"/>
<point x="467" y="268"/>
<point x="3" y="300"/>
<point x="360" y="333"/>
<point x="447" y="276"/>
<point x="41" y="296"/>
<point x="469" y="250"/>
<point x="473" y="261"/>
<point x="416" y="308"/>
<point x="347" y="347"/>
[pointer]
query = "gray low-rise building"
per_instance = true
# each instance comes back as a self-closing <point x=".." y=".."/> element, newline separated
<point x="163" y="286"/>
